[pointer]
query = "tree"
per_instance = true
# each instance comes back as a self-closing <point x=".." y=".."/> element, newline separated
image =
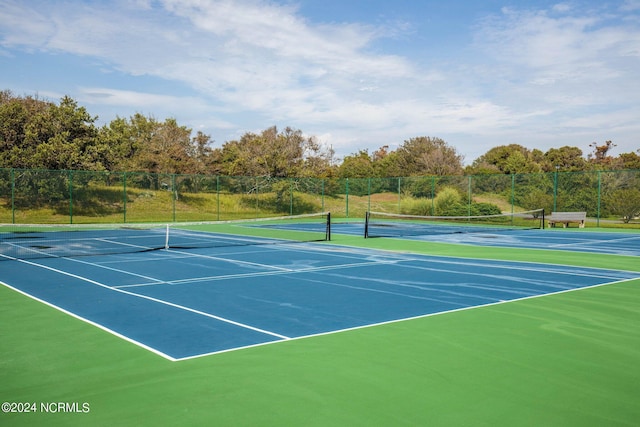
<point x="600" y="155"/>
<point x="44" y="135"/>
<point x="625" y="202"/>
<point x="281" y="154"/>
<point x="507" y="159"/>
<point x="274" y="154"/>
<point x="515" y="163"/>
<point x="35" y="133"/>
<point x="565" y="159"/>
<point x="428" y="156"/>
<point x="167" y="150"/>
<point x="144" y="144"/>
<point x="359" y="165"/>
<point x="627" y="161"/>
<point x="14" y="116"/>
<point x="204" y="159"/>
<point x="318" y="160"/>
<point x="386" y="163"/>
<point x="119" y="136"/>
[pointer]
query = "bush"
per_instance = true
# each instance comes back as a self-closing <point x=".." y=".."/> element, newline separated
<point x="534" y="198"/>
<point x="411" y="206"/>
<point x="448" y="202"/>
<point x="485" y="209"/>
<point x="625" y="203"/>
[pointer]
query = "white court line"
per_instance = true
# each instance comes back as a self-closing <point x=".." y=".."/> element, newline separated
<point x="505" y="265"/>
<point x="401" y="257"/>
<point x="153" y="279"/>
<point x="117" y="270"/>
<point x="259" y="274"/>
<point x="91" y="322"/>
<point x="217" y="258"/>
<point x="595" y="243"/>
<point x="170" y="304"/>
<point x="389" y="322"/>
<point x="48" y="255"/>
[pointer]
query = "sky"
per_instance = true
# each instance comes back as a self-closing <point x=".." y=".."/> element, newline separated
<point x="354" y="74"/>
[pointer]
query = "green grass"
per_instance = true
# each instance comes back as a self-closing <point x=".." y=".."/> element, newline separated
<point x="568" y="359"/>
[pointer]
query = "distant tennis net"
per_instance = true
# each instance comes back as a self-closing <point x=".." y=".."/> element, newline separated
<point x="22" y="241"/>
<point x="380" y="224"/>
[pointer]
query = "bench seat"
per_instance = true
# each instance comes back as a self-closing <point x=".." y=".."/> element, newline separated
<point x="566" y="218"/>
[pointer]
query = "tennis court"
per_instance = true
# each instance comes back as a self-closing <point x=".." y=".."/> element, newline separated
<point x="574" y="240"/>
<point x="397" y="310"/>
<point x="183" y="304"/>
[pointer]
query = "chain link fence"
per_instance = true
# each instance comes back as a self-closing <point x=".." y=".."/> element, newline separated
<point x="43" y="196"/>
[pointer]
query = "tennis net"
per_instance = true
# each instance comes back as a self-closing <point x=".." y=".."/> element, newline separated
<point x="380" y="224"/>
<point x="29" y="241"/>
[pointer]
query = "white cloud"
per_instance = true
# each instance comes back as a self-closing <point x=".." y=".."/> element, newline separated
<point x="575" y="65"/>
<point x="155" y="105"/>
<point x="248" y="63"/>
<point x="561" y="7"/>
<point x="136" y="99"/>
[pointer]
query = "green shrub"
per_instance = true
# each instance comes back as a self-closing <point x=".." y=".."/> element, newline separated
<point x="625" y="203"/>
<point x="485" y="209"/>
<point x="447" y="202"/>
<point x="411" y="206"/>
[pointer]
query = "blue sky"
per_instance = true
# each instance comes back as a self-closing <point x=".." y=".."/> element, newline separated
<point x="355" y="74"/>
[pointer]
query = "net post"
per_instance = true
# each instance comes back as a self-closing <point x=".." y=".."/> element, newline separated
<point x="542" y="227"/>
<point x="328" y="235"/>
<point x="166" y="238"/>
<point x="366" y="224"/>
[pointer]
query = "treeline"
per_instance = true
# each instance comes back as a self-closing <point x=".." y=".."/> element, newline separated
<point x="39" y="134"/>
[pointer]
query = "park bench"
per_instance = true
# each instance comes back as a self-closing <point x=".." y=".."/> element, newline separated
<point x="566" y="218"/>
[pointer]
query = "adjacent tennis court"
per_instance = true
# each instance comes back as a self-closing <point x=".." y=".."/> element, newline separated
<point x="371" y="321"/>
<point x="496" y="231"/>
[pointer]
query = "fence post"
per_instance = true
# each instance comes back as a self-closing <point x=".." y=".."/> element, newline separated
<point x="513" y="191"/>
<point x="70" y="176"/>
<point x="124" y="197"/>
<point x="599" y="197"/>
<point x="347" y="197"/>
<point x="368" y="194"/>
<point x="555" y="189"/>
<point x="322" y="195"/>
<point x="174" y="194"/>
<point x="469" y="196"/>
<point x="290" y="196"/>
<point x="13" y="196"/>
<point x="433" y="195"/>
<point x="399" y="194"/>
<point x="218" y="196"/>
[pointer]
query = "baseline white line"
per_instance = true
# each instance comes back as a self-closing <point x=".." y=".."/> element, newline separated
<point x="422" y="316"/>
<point x="91" y="322"/>
<point x="178" y="306"/>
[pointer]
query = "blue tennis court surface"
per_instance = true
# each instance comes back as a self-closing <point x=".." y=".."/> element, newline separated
<point x="616" y="243"/>
<point x="183" y="304"/>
